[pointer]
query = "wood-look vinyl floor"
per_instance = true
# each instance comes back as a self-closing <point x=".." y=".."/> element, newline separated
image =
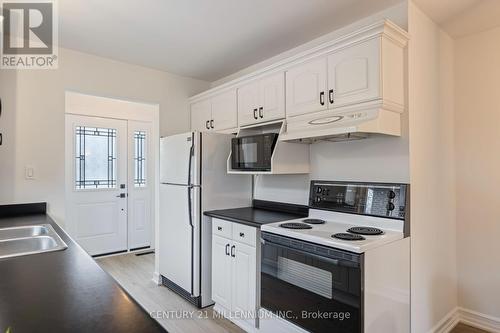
<point x="461" y="328"/>
<point x="135" y="273"/>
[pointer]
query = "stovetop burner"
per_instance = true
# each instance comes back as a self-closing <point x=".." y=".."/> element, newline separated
<point x="369" y="231"/>
<point x="294" y="225"/>
<point x="348" y="237"/>
<point x="314" y="221"/>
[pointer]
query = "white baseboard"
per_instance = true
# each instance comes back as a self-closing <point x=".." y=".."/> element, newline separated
<point x="479" y="320"/>
<point x="467" y="317"/>
<point x="156" y="278"/>
<point x="448" y="322"/>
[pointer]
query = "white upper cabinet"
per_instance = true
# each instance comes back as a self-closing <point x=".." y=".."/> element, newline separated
<point x="201" y="114"/>
<point x="362" y="70"/>
<point x="354" y="74"/>
<point x="306" y="88"/>
<point x="272" y="97"/>
<point x="248" y="101"/>
<point x="262" y="100"/>
<point x="217" y="113"/>
<point x="224" y="113"/>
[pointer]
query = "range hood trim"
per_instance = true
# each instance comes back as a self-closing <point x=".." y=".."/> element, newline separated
<point x="382" y="122"/>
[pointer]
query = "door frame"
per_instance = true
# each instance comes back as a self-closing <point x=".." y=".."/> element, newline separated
<point x="105" y="107"/>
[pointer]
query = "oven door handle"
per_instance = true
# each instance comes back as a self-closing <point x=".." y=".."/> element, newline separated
<point x="336" y="262"/>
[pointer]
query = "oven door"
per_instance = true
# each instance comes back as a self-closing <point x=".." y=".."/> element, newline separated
<point x="315" y="287"/>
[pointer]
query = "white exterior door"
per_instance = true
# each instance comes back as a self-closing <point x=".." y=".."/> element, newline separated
<point x="306" y="88"/>
<point x="140" y="166"/>
<point x="354" y="74"/>
<point x="97" y="193"/>
<point x="110" y="166"/>
<point x="221" y="271"/>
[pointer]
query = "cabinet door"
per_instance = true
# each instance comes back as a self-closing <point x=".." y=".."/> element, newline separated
<point x="201" y="112"/>
<point x="354" y="74"/>
<point x="224" y="112"/>
<point x="306" y="88"/>
<point x="221" y="271"/>
<point x="244" y="278"/>
<point x="272" y="97"/>
<point x="248" y="101"/>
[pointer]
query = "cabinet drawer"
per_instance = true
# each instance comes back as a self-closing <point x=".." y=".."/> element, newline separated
<point x="221" y="228"/>
<point x="244" y="234"/>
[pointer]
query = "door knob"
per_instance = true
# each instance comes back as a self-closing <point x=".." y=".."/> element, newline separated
<point x="122" y="195"/>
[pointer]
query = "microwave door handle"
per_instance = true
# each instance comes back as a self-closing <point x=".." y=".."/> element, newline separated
<point x="336" y="262"/>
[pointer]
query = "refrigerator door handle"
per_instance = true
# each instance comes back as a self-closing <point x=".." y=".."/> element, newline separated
<point x="190" y="163"/>
<point x="190" y="213"/>
<point x="190" y="207"/>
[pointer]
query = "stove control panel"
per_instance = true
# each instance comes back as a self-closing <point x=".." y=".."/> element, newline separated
<point x="373" y="199"/>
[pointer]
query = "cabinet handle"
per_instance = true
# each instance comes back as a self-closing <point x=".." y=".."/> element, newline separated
<point x="219" y="228"/>
<point x="207" y="124"/>
<point x="242" y="234"/>
<point x="232" y="251"/>
<point x="227" y="249"/>
<point x="255" y="114"/>
<point x="322" y="98"/>
<point x="261" y="112"/>
<point x="212" y="123"/>
<point x="330" y="96"/>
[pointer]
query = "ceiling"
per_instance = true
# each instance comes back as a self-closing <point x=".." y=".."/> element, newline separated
<point x="463" y="17"/>
<point x="204" y="39"/>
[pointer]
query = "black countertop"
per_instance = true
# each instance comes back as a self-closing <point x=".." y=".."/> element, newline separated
<point x="63" y="291"/>
<point x="262" y="212"/>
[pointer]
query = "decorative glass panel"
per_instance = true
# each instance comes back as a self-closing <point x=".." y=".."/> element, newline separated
<point x="95" y="157"/>
<point x="140" y="159"/>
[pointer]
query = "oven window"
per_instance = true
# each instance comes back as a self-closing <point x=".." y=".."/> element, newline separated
<point x="318" y="294"/>
<point x="307" y="277"/>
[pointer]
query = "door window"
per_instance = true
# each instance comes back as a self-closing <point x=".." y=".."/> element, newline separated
<point x="95" y="151"/>
<point x="140" y="159"/>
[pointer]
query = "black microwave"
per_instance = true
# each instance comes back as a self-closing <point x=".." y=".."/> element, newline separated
<point x="253" y="153"/>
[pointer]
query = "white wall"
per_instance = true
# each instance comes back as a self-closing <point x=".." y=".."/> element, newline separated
<point x="382" y="159"/>
<point x="477" y="69"/>
<point x="8" y="88"/>
<point x="432" y="173"/>
<point x="39" y="128"/>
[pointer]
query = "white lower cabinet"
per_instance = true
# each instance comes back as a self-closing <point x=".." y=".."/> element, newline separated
<point x="221" y="271"/>
<point x="234" y="273"/>
<point x="244" y="279"/>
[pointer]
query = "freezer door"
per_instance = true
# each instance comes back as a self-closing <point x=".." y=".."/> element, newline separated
<point x="178" y="159"/>
<point x="179" y="236"/>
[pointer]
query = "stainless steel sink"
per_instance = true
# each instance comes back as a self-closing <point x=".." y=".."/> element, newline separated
<point x="26" y="240"/>
<point x="22" y="232"/>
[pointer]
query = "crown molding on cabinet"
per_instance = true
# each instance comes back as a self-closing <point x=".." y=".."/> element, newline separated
<point x="384" y="28"/>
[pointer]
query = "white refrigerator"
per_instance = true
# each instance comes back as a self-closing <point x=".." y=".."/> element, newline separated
<point x="194" y="179"/>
